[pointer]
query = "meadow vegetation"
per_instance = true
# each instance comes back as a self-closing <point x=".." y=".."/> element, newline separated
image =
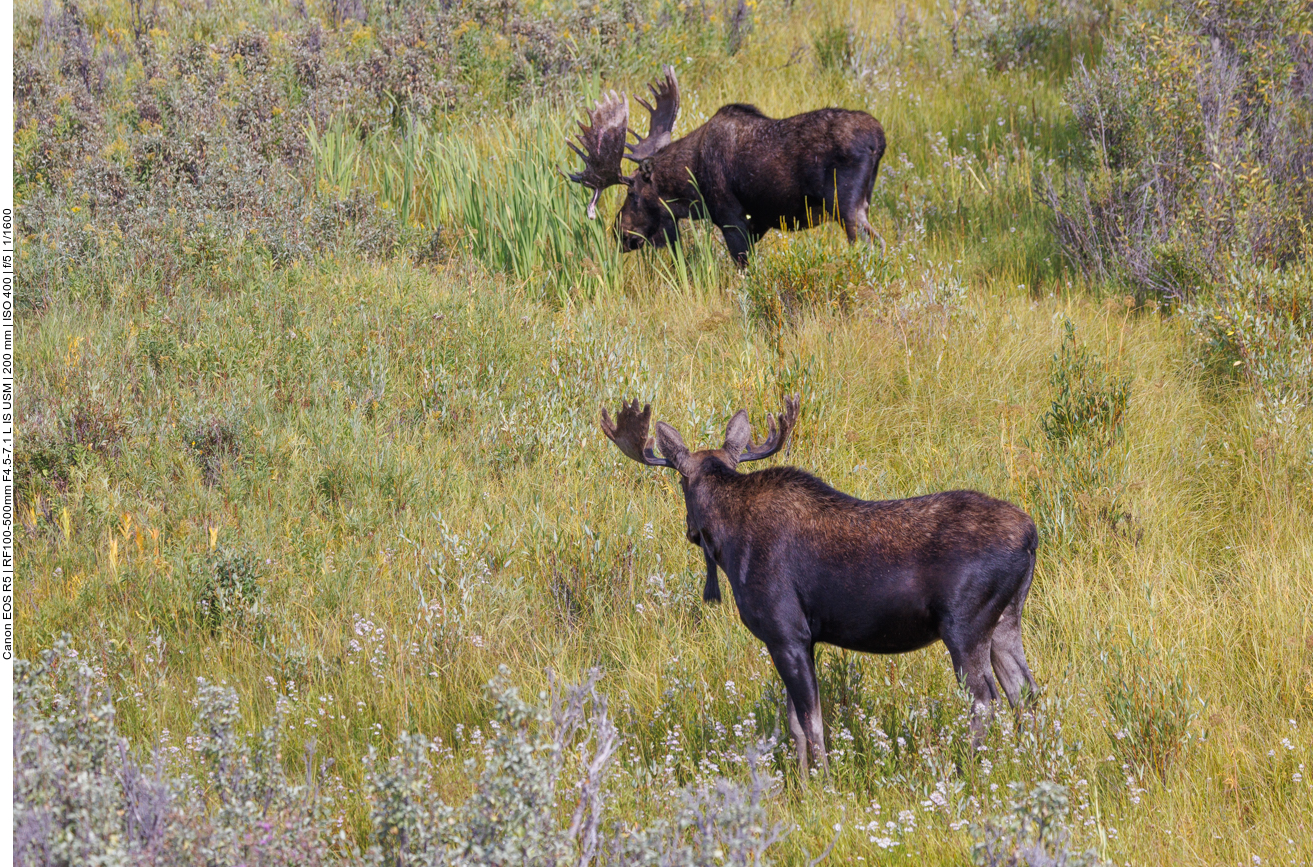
<point x="323" y="559"/>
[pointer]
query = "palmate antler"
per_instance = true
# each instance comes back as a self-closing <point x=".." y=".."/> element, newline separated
<point x="662" y="121"/>
<point x="777" y="436"/>
<point x="604" y="146"/>
<point x="629" y="433"/>
<point x="603" y="139"/>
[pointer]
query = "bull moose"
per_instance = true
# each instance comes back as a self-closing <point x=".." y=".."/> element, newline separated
<point x="809" y="564"/>
<point x="744" y="171"/>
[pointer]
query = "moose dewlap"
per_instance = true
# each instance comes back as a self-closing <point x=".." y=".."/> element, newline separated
<point x="809" y="564"/>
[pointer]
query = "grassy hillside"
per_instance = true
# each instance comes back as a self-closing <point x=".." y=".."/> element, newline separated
<point x="317" y="421"/>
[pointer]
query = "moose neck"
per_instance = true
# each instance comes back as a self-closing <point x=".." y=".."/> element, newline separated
<point x="718" y="510"/>
<point x="675" y="171"/>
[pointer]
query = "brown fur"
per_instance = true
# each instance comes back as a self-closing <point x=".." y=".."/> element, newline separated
<point x="810" y="564"/>
<point x="749" y="173"/>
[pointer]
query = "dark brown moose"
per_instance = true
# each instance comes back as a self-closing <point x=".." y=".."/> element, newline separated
<point x="809" y="564"/>
<point x="746" y="172"/>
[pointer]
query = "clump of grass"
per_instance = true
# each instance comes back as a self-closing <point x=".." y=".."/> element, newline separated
<point x="834" y="45"/>
<point x="521" y="217"/>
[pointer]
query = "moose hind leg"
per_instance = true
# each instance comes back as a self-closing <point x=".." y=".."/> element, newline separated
<point x="1009" y="657"/>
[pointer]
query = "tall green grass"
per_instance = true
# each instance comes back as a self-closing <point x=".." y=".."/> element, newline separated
<point x="500" y="186"/>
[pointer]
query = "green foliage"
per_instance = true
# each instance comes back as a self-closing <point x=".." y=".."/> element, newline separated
<point x="228" y="588"/>
<point x="1151" y="708"/>
<point x="1088" y="402"/>
<point x="1195" y="123"/>
<point x="47" y="457"/>
<point x="67" y="802"/>
<point x="1259" y="323"/>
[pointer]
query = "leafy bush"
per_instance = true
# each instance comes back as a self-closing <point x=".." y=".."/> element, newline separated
<point x="807" y="274"/>
<point x="1259" y="323"/>
<point x="1088" y="401"/>
<point x="1150" y="703"/>
<point x="1034" y="834"/>
<point x="1198" y="138"/>
<point x="228" y="587"/>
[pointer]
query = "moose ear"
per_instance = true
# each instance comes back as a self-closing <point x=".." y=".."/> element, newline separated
<point x="738" y="433"/>
<point x="671" y="445"/>
<point x="645" y="169"/>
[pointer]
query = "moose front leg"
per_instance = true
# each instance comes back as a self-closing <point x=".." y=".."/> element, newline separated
<point x="739" y="240"/>
<point x="798" y="671"/>
<point x="736" y="226"/>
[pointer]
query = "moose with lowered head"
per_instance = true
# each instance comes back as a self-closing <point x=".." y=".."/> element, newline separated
<point x="742" y="170"/>
<point x="809" y="564"/>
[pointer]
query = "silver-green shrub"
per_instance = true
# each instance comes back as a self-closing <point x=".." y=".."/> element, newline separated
<point x="539" y="791"/>
<point x="1033" y="834"/>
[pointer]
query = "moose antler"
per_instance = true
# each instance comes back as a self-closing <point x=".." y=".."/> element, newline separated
<point x="604" y="142"/>
<point x="629" y="433"/>
<point x="777" y="436"/>
<point x="662" y="121"/>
